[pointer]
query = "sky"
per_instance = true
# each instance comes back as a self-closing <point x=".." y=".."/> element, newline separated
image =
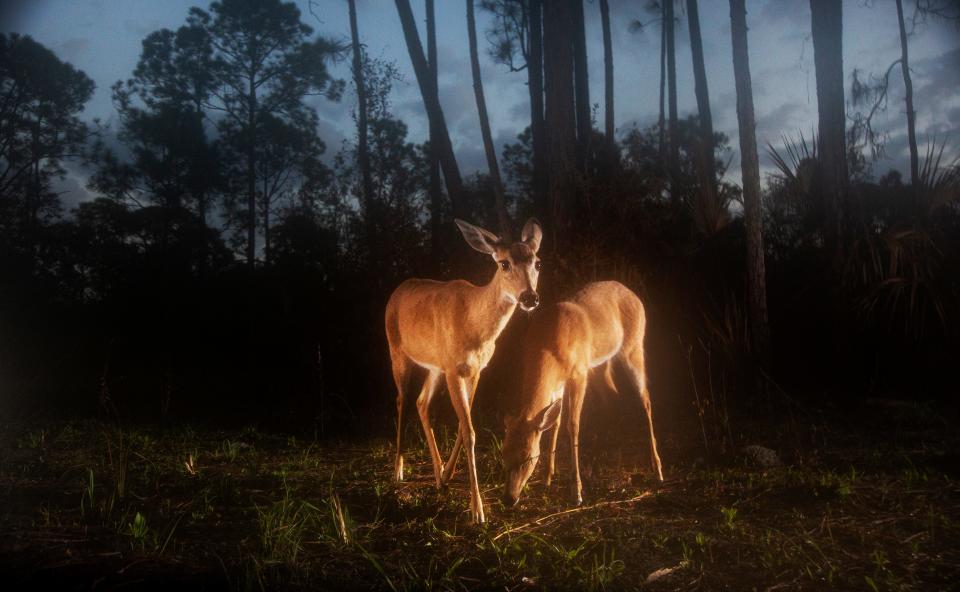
<point x="103" y="38"/>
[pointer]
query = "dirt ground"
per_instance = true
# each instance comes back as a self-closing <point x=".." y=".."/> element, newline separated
<point x="864" y="499"/>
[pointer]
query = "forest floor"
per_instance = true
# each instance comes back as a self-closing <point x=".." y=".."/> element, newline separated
<point x="868" y="500"/>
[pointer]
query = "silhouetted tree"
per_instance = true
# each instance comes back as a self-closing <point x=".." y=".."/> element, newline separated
<point x="264" y="65"/>
<point x="581" y="84"/>
<point x="908" y="90"/>
<point x="172" y="165"/>
<point x="608" y="71"/>
<point x="363" y="155"/>
<point x="431" y="101"/>
<point x="503" y="217"/>
<point x="560" y="119"/>
<point x="516" y="40"/>
<point x="750" y="167"/>
<point x="39" y="128"/>
<point x="674" y="140"/>
<point x="703" y="98"/>
<point x="827" y="27"/>
<point x="433" y="152"/>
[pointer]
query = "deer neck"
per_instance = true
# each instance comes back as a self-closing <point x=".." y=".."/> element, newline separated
<point x="494" y="307"/>
<point x="543" y="383"/>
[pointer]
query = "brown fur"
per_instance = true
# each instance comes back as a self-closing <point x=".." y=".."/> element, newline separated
<point x="450" y="329"/>
<point x="601" y="324"/>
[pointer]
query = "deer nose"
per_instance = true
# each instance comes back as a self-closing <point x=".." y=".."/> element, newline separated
<point x="529" y="300"/>
<point x="508" y="500"/>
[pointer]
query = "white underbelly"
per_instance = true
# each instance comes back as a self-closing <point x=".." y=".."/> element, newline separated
<point x="606" y="357"/>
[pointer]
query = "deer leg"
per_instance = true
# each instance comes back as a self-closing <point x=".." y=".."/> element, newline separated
<point x="552" y="453"/>
<point x="638" y="370"/>
<point x="460" y="397"/>
<point x="402" y="368"/>
<point x="423" y="408"/>
<point x="576" y="389"/>
<point x="451" y="467"/>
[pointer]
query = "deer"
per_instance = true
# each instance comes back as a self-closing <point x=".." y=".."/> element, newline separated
<point x="601" y="325"/>
<point x="450" y="329"/>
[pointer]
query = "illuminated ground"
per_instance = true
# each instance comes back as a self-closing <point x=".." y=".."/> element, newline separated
<point x="88" y="505"/>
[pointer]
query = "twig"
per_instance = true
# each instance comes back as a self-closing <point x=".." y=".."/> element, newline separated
<point x="540" y="521"/>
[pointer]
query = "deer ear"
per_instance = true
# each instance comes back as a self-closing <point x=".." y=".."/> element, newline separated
<point x="532" y="234"/>
<point x="549" y="416"/>
<point x="478" y="238"/>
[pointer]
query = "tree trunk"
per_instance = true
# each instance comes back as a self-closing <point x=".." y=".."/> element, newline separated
<point x="434" y="153"/>
<point x="266" y="225"/>
<point x="911" y="114"/>
<point x="537" y="131"/>
<point x="750" y="169"/>
<point x="448" y="161"/>
<point x="674" y="131"/>
<point x="581" y="85"/>
<point x="703" y="101"/>
<point x="560" y="117"/>
<point x="661" y="122"/>
<point x="609" y="127"/>
<point x="827" y="29"/>
<point x="251" y="173"/>
<point x="500" y="202"/>
<point x="363" y="155"/>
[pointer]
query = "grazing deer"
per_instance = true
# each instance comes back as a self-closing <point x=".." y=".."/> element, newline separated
<point x="602" y="324"/>
<point x="450" y="329"/>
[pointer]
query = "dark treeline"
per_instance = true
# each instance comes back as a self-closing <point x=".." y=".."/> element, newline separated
<point x="224" y="271"/>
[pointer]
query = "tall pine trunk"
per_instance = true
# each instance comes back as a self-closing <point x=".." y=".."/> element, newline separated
<point x="827" y="29"/>
<point x="750" y="169"/>
<point x="708" y="163"/>
<point x="674" y="131"/>
<point x="363" y="154"/>
<point x="448" y="161"/>
<point x="581" y="84"/>
<point x="537" y="130"/>
<point x="609" y="127"/>
<point x="911" y="114"/>
<point x="434" y="154"/>
<point x="558" y="22"/>
<point x="661" y="121"/>
<point x="251" y="173"/>
<point x="500" y="202"/>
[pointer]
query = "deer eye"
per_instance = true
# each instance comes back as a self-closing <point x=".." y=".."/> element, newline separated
<point x="505" y="265"/>
<point x="537" y="265"/>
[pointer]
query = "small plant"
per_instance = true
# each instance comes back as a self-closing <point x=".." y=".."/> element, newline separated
<point x="729" y="516"/>
<point x="87" y="497"/>
<point x="231" y="449"/>
<point x="283" y="527"/>
<point x="605" y="570"/>
<point x="138" y="529"/>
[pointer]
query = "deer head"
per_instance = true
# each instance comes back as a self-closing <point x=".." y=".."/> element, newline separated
<point x="521" y="448"/>
<point x="518" y="265"/>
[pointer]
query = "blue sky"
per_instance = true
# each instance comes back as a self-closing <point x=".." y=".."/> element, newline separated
<point x="102" y="37"/>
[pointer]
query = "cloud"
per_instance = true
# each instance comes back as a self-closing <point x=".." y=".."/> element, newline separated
<point x="72" y="188"/>
<point x="73" y="49"/>
<point x="939" y="76"/>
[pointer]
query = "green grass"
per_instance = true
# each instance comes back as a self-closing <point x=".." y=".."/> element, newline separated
<point x="868" y="510"/>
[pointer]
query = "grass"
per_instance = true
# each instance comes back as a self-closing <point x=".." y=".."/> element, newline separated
<point x="870" y="508"/>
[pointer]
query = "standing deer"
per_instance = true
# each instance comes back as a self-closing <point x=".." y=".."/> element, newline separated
<point x="602" y="324"/>
<point x="450" y="329"/>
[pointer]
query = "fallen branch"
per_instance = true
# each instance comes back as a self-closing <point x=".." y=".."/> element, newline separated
<point x="542" y="521"/>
